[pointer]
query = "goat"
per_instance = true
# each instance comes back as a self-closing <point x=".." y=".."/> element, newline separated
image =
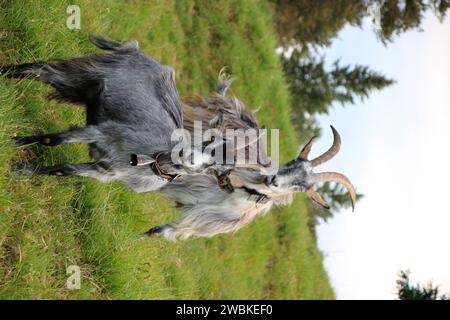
<point x="132" y="108"/>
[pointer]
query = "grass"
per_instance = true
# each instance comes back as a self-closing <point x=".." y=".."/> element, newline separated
<point x="47" y="224"/>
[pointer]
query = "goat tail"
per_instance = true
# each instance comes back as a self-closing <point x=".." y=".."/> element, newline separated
<point x="112" y="45"/>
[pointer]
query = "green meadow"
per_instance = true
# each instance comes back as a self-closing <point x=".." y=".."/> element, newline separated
<point x="50" y="223"/>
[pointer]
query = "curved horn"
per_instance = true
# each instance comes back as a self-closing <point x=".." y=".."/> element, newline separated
<point x="317" y="198"/>
<point x="339" y="178"/>
<point x="330" y="153"/>
<point x="306" y="149"/>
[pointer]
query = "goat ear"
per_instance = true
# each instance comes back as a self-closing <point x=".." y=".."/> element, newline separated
<point x="141" y="160"/>
<point x="317" y="198"/>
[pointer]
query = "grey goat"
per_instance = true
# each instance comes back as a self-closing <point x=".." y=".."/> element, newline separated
<point x="133" y="107"/>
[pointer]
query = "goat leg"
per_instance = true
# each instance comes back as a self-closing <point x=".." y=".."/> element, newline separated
<point x="23" y="70"/>
<point x="92" y="170"/>
<point x="87" y="134"/>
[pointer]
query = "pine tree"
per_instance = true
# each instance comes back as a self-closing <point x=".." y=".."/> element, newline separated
<point x="316" y="23"/>
<point x="406" y="291"/>
<point x="314" y="89"/>
<point x="398" y="16"/>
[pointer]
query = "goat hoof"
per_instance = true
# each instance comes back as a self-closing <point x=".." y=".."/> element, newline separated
<point x="50" y="141"/>
<point x="152" y="232"/>
<point x="20" y="140"/>
<point x="23" y="169"/>
<point x="44" y="140"/>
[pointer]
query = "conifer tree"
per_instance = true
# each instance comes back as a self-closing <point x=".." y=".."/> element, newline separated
<point x="316" y="23"/>
<point x="314" y="89"/>
<point x="406" y="291"/>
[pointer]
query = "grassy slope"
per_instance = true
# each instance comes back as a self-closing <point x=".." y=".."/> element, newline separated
<point x="47" y="223"/>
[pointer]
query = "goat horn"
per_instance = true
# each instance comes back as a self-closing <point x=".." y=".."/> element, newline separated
<point x="317" y="198"/>
<point x="339" y="178"/>
<point x="306" y="149"/>
<point x="330" y="153"/>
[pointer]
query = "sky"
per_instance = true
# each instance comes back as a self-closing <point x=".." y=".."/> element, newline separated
<point x="396" y="150"/>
